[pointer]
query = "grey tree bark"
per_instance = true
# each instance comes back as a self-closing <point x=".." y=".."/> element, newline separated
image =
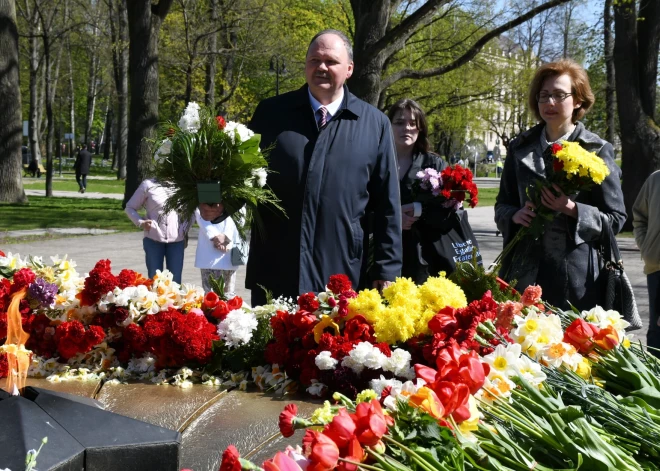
<point x="144" y="21"/>
<point x="636" y="47"/>
<point x="211" y="59"/>
<point x="11" y="129"/>
<point x="610" y="104"/>
<point x="119" y="36"/>
<point x="72" y="102"/>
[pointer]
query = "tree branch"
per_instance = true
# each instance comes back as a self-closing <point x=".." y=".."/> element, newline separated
<point x="473" y="51"/>
<point x="394" y="38"/>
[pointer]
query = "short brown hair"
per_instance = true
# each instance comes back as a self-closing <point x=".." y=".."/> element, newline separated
<point x="580" y="87"/>
<point x="422" y="143"/>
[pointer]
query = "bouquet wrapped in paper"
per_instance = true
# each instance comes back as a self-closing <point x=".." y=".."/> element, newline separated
<point x="205" y="159"/>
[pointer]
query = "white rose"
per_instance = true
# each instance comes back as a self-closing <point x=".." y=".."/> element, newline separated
<point x="261" y="176"/>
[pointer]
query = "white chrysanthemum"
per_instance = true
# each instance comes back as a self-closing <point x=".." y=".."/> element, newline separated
<point x="399" y="364"/>
<point x="190" y="120"/>
<point x="530" y="371"/>
<point x="378" y="385"/>
<point x="504" y="360"/>
<point x="260" y="176"/>
<point x="324" y="361"/>
<point x="236" y="329"/>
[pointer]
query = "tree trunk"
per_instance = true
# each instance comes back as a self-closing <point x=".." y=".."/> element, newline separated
<point x="640" y="135"/>
<point x="610" y="118"/>
<point x="33" y="119"/>
<point x="119" y="35"/>
<point x="144" y="22"/>
<point x="72" y="102"/>
<point x="209" y="83"/>
<point x="11" y="129"/>
<point x="91" y="95"/>
<point x="371" y="21"/>
<point x="109" y="118"/>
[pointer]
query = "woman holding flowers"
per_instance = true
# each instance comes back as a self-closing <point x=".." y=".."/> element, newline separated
<point x="561" y="223"/>
<point x="423" y="225"/>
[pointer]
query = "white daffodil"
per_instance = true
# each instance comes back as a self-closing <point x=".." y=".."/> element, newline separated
<point x="504" y="360"/>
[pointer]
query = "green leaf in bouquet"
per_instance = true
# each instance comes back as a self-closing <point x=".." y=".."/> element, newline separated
<point x="215" y="365"/>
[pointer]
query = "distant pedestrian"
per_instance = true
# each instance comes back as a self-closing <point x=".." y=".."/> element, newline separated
<point x="461" y="162"/>
<point x="646" y="224"/>
<point x="164" y="234"/>
<point x="83" y="162"/>
<point x="499" y="166"/>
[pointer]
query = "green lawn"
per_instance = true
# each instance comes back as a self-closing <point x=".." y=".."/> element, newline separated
<point x="43" y="213"/>
<point x="69" y="184"/>
<point x="487" y="196"/>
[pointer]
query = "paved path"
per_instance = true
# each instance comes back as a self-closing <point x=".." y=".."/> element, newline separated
<point x="125" y="251"/>
<point x="75" y="194"/>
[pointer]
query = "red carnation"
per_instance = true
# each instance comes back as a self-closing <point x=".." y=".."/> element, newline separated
<point x="308" y="302"/>
<point x="339" y="283"/>
<point x="72" y="338"/>
<point x="99" y="282"/>
<point x="221" y="122"/>
<point x="128" y="278"/>
<point x="2" y="254"/>
<point x="556" y="148"/>
<point x="231" y="459"/>
<point x="22" y="279"/>
<point x="557" y="165"/>
<point x="287" y="417"/>
<point x="357" y="329"/>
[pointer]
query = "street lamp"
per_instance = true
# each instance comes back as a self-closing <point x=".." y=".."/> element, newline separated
<point x="276" y="69"/>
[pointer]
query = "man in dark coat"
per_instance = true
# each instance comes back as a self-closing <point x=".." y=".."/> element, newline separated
<point x="332" y="160"/>
<point x="81" y="166"/>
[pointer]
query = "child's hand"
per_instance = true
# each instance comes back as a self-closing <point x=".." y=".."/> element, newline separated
<point x="221" y="242"/>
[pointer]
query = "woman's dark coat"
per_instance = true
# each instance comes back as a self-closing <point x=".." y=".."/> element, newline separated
<point x="564" y="261"/>
<point x="326" y="180"/>
<point x="420" y="251"/>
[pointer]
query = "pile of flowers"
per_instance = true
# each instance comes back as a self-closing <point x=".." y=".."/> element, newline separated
<point x="125" y="324"/>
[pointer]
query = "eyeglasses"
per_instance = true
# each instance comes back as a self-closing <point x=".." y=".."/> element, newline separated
<point x="557" y="97"/>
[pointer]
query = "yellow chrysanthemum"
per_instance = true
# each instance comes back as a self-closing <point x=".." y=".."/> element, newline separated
<point x="402" y="292"/>
<point x="367" y="303"/>
<point x="323" y="415"/>
<point x="366" y="396"/>
<point x="437" y="293"/>
<point x="579" y="161"/>
<point x="396" y="324"/>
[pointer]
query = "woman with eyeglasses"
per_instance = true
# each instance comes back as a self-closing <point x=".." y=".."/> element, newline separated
<point x="564" y="260"/>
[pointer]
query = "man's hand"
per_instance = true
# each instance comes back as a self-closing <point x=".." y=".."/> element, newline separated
<point x="221" y="242"/>
<point x="407" y="218"/>
<point x="209" y="212"/>
<point x="147" y="224"/>
<point x="381" y="284"/>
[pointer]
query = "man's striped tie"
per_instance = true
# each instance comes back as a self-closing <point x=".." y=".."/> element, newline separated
<point x="323" y="116"/>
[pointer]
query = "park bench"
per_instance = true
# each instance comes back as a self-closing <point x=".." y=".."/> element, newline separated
<point x="40" y="170"/>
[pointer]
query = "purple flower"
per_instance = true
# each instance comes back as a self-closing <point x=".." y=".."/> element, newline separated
<point x="42" y="292"/>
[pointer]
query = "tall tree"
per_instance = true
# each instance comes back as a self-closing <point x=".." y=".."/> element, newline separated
<point x="11" y="129"/>
<point x="636" y="47"/>
<point x="119" y="37"/>
<point x="608" y="37"/>
<point x="376" y="40"/>
<point x="211" y="59"/>
<point x="144" y="21"/>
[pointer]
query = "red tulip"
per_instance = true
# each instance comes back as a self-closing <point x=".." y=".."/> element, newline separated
<point x="341" y="429"/>
<point x="321" y="450"/>
<point x="286" y="419"/>
<point x="231" y="459"/>
<point x="221" y="310"/>
<point x="210" y="300"/>
<point x="235" y="303"/>
<point x="221" y="122"/>
<point x="454" y="397"/>
<point x="580" y="334"/>
<point x="607" y="338"/>
<point x="426" y="373"/>
<point x="355" y="453"/>
<point x="281" y="462"/>
<point x="370" y="422"/>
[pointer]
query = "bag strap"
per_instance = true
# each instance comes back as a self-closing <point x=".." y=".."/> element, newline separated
<point x="609" y="246"/>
